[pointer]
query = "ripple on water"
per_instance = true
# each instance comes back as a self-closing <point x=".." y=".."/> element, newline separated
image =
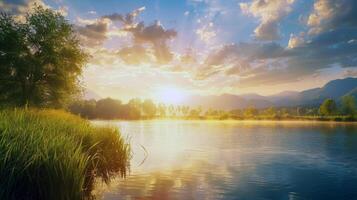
<point x="203" y="160"/>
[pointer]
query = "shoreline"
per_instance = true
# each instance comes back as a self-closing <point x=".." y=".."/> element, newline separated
<point x="235" y="120"/>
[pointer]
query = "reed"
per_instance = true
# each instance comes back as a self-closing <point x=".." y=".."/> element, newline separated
<point x="50" y="154"/>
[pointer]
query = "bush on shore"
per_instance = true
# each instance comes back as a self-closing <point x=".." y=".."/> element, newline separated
<point x="50" y="154"/>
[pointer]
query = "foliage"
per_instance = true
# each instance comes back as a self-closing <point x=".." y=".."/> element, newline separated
<point x="348" y="105"/>
<point x="250" y="112"/>
<point x="108" y="108"/>
<point x="49" y="154"/>
<point x="149" y="108"/>
<point x="105" y="109"/>
<point x="137" y="109"/>
<point x="271" y="112"/>
<point x="328" y="107"/>
<point x="40" y="59"/>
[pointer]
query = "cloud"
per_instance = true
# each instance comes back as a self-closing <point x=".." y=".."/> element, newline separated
<point x="103" y="57"/>
<point x="206" y="32"/>
<point x="219" y="60"/>
<point x="18" y="7"/>
<point x="350" y="73"/>
<point x="259" y="64"/>
<point x="156" y="36"/>
<point x="269" y="63"/>
<point x="149" y="43"/>
<point x="296" y="40"/>
<point x="92" y="12"/>
<point x="94" y="32"/>
<point x="135" y="55"/>
<point x="269" y="12"/>
<point x="63" y="10"/>
<point x="127" y="19"/>
<point x="331" y="14"/>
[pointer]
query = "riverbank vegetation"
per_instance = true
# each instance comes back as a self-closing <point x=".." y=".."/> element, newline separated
<point x="45" y="153"/>
<point x="329" y="110"/>
<point x="50" y="154"/>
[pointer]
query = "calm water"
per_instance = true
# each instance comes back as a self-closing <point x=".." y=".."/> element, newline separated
<point x="238" y="160"/>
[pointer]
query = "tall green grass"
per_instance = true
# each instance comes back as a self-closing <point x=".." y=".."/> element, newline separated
<point x="50" y="154"/>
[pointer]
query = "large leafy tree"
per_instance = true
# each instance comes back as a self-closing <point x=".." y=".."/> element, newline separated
<point x="328" y="107"/>
<point x="149" y="108"/>
<point x="40" y="59"/>
<point x="348" y="105"/>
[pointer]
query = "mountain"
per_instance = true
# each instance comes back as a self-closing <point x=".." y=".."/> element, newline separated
<point x="334" y="89"/>
<point x="226" y="102"/>
<point x="353" y="93"/>
<point x="253" y="96"/>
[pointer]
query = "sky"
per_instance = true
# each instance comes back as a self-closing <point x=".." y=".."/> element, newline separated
<point x="155" y="48"/>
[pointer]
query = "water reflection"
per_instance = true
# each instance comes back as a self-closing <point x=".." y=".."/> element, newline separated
<point x="239" y="160"/>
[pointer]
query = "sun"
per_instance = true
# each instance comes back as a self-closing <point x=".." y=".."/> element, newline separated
<point x="170" y="95"/>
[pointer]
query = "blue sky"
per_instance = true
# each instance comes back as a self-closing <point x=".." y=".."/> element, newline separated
<point x="226" y="16"/>
<point x="206" y="47"/>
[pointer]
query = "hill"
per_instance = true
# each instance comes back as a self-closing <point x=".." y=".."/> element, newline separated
<point x="334" y="89"/>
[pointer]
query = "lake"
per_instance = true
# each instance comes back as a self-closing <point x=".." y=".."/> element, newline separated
<point x="238" y="160"/>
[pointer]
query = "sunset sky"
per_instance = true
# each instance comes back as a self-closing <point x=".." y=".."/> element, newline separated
<point x="147" y="48"/>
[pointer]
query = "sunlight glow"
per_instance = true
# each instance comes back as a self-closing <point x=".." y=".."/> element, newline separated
<point x="170" y="95"/>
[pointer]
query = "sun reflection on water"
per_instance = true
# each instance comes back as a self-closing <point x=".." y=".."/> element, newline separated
<point x="230" y="160"/>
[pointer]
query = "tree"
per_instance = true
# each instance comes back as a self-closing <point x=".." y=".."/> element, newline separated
<point x="84" y="108"/>
<point x="135" y="106"/>
<point x="40" y="59"/>
<point x="161" y="109"/>
<point x="284" y="113"/>
<point x="328" y="107"/>
<point x="250" y="112"/>
<point x="270" y="112"/>
<point x="348" y="105"/>
<point x="185" y="110"/>
<point x="109" y="108"/>
<point x="149" y="108"/>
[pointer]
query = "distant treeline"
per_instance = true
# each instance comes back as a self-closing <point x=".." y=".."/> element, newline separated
<point x="146" y="109"/>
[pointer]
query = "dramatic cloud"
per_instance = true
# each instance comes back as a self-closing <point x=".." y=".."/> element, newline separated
<point x="333" y="43"/>
<point x="94" y="33"/>
<point x="269" y="12"/>
<point x="156" y="36"/>
<point x="135" y="55"/>
<point x="331" y="14"/>
<point x="238" y="58"/>
<point x="128" y="19"/>
<point x="147" y="41"/>
<point x="296" y="40"/>
<point x="269" y="63"/>
<point x="18" y="7"/>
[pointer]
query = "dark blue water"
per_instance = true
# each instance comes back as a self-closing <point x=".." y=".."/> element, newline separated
<point x="239" y="160"/>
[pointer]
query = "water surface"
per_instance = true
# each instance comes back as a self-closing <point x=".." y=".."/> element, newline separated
<point x="238" y="160"/>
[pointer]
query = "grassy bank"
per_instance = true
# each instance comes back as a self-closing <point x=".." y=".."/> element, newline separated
<point x="50" y="154"/>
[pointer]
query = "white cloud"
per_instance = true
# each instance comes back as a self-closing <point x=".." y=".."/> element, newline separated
<point x="331" y="14"/>
<point x="92" y="12"/>
<point x="269" y="12"/>
<point x="206" y="33"/>
<point x="296" y="40"/>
